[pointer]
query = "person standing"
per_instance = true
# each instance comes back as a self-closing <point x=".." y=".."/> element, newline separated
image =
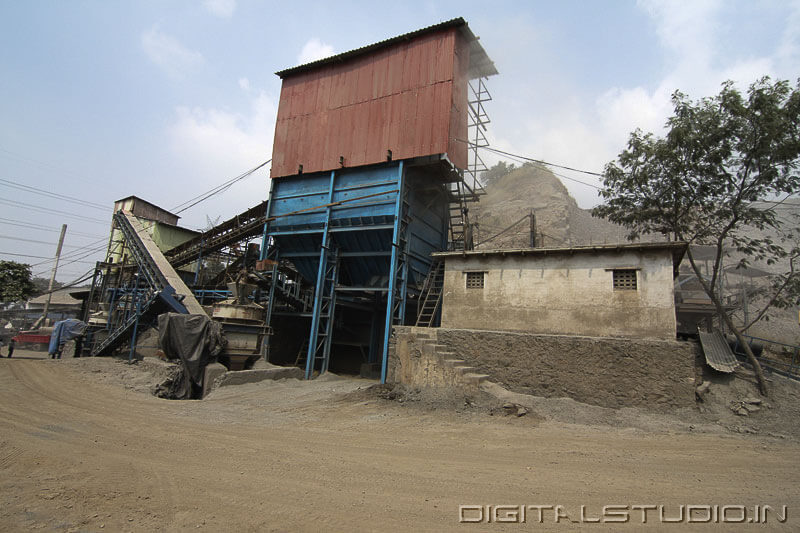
<point x="11" y="344"/>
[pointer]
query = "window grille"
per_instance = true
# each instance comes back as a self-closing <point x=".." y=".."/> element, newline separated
<point x="475" y="280"/>
<point x="624" y="280"/>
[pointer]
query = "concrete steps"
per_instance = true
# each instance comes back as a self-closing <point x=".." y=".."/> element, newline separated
<point x="453" y="370"/>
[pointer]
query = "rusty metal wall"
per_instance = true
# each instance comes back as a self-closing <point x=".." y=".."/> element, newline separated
<point x="410" y="98"/>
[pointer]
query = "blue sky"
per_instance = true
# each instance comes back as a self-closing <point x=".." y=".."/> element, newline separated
<point x="103" y="99"/>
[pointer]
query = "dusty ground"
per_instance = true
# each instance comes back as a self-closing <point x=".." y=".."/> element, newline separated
<point x="84" y="447"/>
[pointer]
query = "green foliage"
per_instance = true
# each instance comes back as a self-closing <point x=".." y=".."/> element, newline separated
<point x="501" y="169"/>
<point x="41" y="285"/>
<point x="15" y="281"/>
<point x="716" y="174"/>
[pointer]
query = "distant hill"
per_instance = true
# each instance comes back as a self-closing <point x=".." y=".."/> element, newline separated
<point x="559" y="220"/>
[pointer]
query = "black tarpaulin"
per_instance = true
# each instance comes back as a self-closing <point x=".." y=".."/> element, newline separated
<point x="196" y="341"/>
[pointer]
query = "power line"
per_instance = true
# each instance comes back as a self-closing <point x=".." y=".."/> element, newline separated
<point x="49" y="194"/>
<point x="216" y="190"/>
<point x="78" y="260"/>
<point x="21" y="224"/>
<point x="33" y="241"/>
<point x="14" y="203"/>
<point x="542" y="162"/>
<point x="577" y="181"/>
<point x="40" y="257"/>
<point x="77" y="251"/>
<point x="83" y="277"/>
<point x="502" y="232"/>
<point x="24" y="255"/>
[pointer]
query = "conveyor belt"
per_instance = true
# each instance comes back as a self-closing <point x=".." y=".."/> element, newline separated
<point x="164" y="291"/>
<point x="241" y="227"/>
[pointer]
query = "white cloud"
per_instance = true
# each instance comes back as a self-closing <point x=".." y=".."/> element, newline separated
<point x="687" y="29"/>
<point x="216" y="145"/>
<point x="244" y="84"/>
<point x="220" y="8"/>
<point x="588" y="135"/>
<point x="169" y="54"/>
<point x="789" y="50"/>
<point x="619" y="109"/>
<point x="313" y="50"/>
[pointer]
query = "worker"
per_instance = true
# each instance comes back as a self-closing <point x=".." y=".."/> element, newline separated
<point x="11" y="344"/>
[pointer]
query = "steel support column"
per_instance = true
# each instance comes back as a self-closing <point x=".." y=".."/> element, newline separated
<point x="274" y="255"/>
<point x="319" y="289"/>
<point x="395" y="299"/>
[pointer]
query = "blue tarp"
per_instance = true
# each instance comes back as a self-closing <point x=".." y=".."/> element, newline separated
<point x="64" y="331"/>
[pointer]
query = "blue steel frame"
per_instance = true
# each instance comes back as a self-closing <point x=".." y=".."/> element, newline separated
<point x="358" y="220"/>
<point x="322" y="287"/>
<point x="398" y="265"/>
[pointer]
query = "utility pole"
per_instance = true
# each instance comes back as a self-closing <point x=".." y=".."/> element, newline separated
<point x="533" y="230"/>
<point x="53" y="275"/>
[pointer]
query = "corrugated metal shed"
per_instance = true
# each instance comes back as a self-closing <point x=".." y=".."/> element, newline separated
<point x="407" y="95"/>
<point x="144" y="209"/>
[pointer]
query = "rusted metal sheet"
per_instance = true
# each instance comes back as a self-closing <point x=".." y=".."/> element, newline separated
<point x="717" y="351"/>
<point x="457" y="149"/>
<point x="408" y="97"/>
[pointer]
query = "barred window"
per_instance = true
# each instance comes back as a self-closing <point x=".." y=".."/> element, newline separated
<point x="475" y="280"/>
<point x="624" y="280"/>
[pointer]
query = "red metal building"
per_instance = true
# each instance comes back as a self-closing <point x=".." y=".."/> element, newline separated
<point x="397" y="99"/>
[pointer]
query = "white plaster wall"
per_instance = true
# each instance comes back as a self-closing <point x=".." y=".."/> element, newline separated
<point x="562" y="294"/>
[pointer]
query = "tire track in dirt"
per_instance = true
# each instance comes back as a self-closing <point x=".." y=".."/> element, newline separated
<point x="133" y="462"/>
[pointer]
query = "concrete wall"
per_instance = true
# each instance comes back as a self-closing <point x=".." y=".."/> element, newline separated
<point x="655" y="374"/>
<point x="562" y="294"/>
<point x="417" y="359"/>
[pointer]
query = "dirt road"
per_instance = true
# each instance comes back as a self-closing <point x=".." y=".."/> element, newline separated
<point x="81" y="455"/>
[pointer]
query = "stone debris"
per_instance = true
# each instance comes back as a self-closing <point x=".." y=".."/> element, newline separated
<point x="744" y="429"/>
<point x="701" y="390"/>
<point x="746" y="406"/>
<point x="515" y="409"/>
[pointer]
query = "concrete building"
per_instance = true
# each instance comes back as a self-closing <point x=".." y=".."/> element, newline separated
<point x="606" y="291"/>
<point x="159" y="223"/>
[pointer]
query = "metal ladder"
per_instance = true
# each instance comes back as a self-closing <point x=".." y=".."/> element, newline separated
<point x="431" y="295"/>
<point x="319" y="342"/>
<point x="460" y="232"/>
<point x="302" y="353"/>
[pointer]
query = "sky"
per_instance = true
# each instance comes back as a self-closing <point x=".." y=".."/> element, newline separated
<point x="100" y="99"/>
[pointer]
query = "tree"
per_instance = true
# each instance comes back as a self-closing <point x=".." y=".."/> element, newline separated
<point x="15" y="281"/>
<point x="42" y="284"/>
<point x="496" y="172"/>
<point x="717" y="175"/>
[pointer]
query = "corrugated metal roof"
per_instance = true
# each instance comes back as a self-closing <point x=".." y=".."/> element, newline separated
<point x="58" y="297"/>
<point x="480" y="63"/>
<point x="717" y="351"/>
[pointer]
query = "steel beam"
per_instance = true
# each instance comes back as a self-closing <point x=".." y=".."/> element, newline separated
<point x="390" y="300"/>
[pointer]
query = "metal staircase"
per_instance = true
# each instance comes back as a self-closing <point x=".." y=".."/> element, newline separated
<point x="460" y="234"/>
<point x="431" y="296"/>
